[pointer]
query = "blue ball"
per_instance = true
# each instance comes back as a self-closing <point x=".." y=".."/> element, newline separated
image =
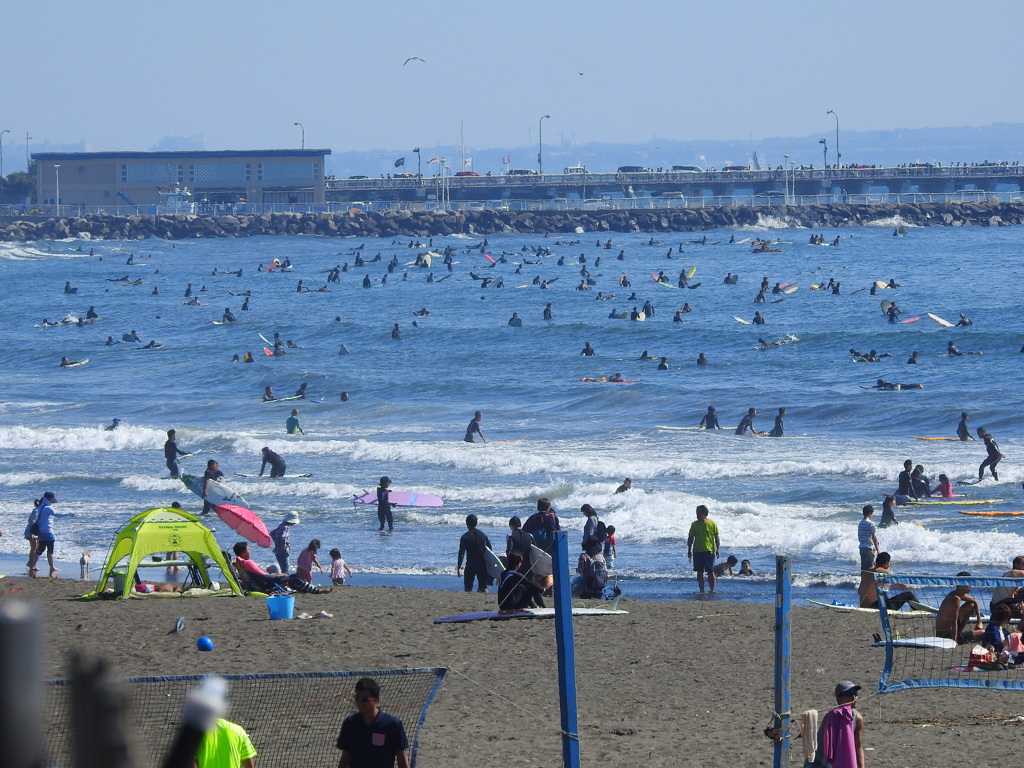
<point x="204" y="644"/>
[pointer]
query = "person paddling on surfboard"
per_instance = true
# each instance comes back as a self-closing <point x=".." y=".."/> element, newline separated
<point x="474" y="429"/>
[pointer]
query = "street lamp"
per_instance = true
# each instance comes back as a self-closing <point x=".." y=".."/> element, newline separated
<point x="785" y="176"/>
<point x="540" y="143"/>
<point x="301" y="128"/>
<point x="5" y="130"/>
<point x="838" y="156"/>
<point x="56" y="169"/>
<point x="824" y="154"/>
<point x="419" y="167"/>
<point x="792" y="173"/>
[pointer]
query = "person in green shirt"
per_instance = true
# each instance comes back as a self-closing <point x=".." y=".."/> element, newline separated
<point x="703" y="546"/>
<point x="226" y="745"/>
<point x="292" y="423"/>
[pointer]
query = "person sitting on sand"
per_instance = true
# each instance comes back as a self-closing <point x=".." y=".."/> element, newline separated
<point x="517" y="591"/>
<point x="955" y="613"/>
<point x="263" y="581"/>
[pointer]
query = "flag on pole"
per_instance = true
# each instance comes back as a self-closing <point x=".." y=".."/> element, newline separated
<point x="399" y="162"/>
<point x="434" y="159"/>
<point x="467" y="163"/>
<point x="506" y="159"/>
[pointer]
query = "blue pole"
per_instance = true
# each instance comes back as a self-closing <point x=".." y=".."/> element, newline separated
<point x="566" y="652"/>
<point x="783" y="573"/>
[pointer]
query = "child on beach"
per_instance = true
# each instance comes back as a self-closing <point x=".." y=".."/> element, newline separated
<point x="609" y="547"/>
<point x="339" y="569"/>
<point x="307" y="559"/>
<point x="745" y="569"/>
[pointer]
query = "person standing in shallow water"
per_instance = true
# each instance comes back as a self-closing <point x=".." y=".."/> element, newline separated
<point x="702" y="547"/>
<point x="474" y="428"/>
<point x="384" y="504"/>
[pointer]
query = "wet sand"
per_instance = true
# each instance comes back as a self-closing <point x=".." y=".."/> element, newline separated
<point x="684" y="683"/>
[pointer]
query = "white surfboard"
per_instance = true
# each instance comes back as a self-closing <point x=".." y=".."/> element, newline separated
<point x="217" y="493"/>
<point x="493" y="563"/>
<point x="525" y="613"/>
<point x="941" y="643"/>
<point x="848" y="608"/>
<point x="541" y="561"/>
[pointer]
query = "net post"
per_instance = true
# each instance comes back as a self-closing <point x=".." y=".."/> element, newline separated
<point x="21" y="695"/>
<point x="566" y="651"/>
<point x="783" y="579"/>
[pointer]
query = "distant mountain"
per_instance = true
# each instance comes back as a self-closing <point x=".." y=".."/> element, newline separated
<point x="995" y="143"/>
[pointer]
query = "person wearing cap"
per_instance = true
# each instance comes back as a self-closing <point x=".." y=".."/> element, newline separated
<point x="281" y="536"/>
<point x="277" y="465"/>
<point x="839" y="737"/>
<point x="112" y="426"/>
<point x="384" y="504"/>
<point x="40" y="526"/>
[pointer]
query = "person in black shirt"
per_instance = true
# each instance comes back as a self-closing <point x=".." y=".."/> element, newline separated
<point x="277" y="465"/>
<point x="371" y="738"/>
<point x="474" y="428"/>
<point x="993" y="455"/>
<point x="515" y="590"/>
<point x="962" y="431"/>
<point x="171" y="454"/>
<point x="384" y="504"/>
<point x="471" y="549"/>
<point x="905" y="481"/>
<point x="212" y="473"/>
<point x="710" y="419"/>
<point x="779" y="429"/>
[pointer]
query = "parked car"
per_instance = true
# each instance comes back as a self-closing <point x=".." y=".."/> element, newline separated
<point x="359" y="177"/>
<point x="736" y="168"/>
<point x="467" y="173"/>
<point x="403" y="175"/>
<point x="687" y="169"/>
<point x="522" y="172"/>
<point x="633" y="169"/>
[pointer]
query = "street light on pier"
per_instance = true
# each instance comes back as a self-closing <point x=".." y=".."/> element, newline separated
<point x="838" y="155"/>
<point x="785" y="177"/>
<point x="5" y="130"/>
<point x="540" y="143"/>
<point x="302" y="128"/>
<point x="56" y="170"/>
<point x="824" y="154"/>
<point x="419" y="167"/>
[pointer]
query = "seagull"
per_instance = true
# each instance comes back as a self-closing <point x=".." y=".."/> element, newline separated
<point x="413" y="58"/>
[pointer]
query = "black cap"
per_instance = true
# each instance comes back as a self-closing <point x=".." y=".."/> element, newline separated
<point x="846" y="688"/>
<point x="49" y="495"/>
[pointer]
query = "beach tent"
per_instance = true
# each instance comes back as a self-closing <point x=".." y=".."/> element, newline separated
<point x="162" y="530"/>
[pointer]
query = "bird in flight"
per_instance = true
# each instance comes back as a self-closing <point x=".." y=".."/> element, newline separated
<point x="413" y="58"/>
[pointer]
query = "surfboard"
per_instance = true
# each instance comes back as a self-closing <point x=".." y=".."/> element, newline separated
<point x="76" y="363"/>
<point x="989" y="513"/>
<point x="910" y="320"/>
<point x="666" y="285"/>
<point x="541" y="561"/>
<point x="493" y="564"/>
<point x="881" y="284"/>
<point x="305" y="474"/>
<point x="940" y="643"/>
<point x="641" y="316"/>
<point x="265" y="339"/>
<point x="791" y="289"/>
<point x="939" y="320"/>
<point x="960" y="502"/>
<point x="285" y="399"/>
<point x="666" y="426"/>
<point x="402" y="499"/>
<point x="217" y="493"/>
<point x="695" y="285"/>
<point x="740" y="320"/>
<point x="885" y="306"/>
<point x="957" y="439"/>
<point x="691" y="272"/>
<point x="525" y="613"/>
<point x="835" y="605"/>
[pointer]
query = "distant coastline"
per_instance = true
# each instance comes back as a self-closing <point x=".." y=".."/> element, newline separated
<point x="489" y="222"/>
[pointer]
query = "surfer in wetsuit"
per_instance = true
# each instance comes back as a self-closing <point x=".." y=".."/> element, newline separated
<point x="227" y="317"/>
<point x="292" y="425"/>
<point x="993" y="455"/>
<point x="905" y="481"/>
<point x="212" y="473"/>
<point x="962" y="432"/>
<point x="277" y="465"/>
<point x="113" y="426"/>
<point x="710" y="419"/>
<point x="964" y="320"/>
<point x="588" y="351"/>
<point x="172" y="452"/>
<point x="747" y="422"/>
<point x="547" y="311"/>
<point x="893" y="313"/>
<point x="516" y="590"/>
<point x="474" y="428"/>
<point x="779" y="429"/>
<point x="384" y="504"/>
<point x="268" y="395"/>
<point x="953" y="350"/>
<point x="90" y="313"/>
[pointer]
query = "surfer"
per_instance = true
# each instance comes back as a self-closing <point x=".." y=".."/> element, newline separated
<point x="747" y="422"/>
<point x="953" y="350"/>
<point x="626" y="485"/>
<point x="153" y="345"/>
<point x="663" y="365"/>
<point x="547" y="311"/>
<point x="396" y="332"/>
<point x="384" y="504"/>
<point x="474" y="429"/>
<point x="516" y="590"/>
<point x="277" y="465"/>
<point x="701" y="360"/>
<point x="268" y="395"/>
<point x="905" y="481"/>
<point x="212" y="473"/>
<point x="471" y="549"/>
<point x="779" y="429"/>
<point x="172" y="452"/>
<point x="893" y="313"/>
<point x="227" y="317"/>
<point x="944" y="489"/>
<point x="710" y="419"/>
<point x="292" y="425"/>
<point x="68" y="288"/>
<point x="993" y="455"/>
<point x="515" y="321"/>
<point x="90" y="314"/>
<point x="758" y="320"/>
<point x="421" y="312"/>
<point x="113" y="425"/>
<point x="888" y="512"/>
<point x="67" y="363"/>
<point x="616" y="378"/>
<point x="301" y="391"/>
<point x="133" y="336"/>
<point x="964" y="321"/>
<point x="913" y="359"/>
<point x="588" y="351"/>
<point x="646" y="356"/>
<point x="962" y="432"/>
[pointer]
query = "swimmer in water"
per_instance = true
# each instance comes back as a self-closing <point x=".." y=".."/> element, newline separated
<point x="268" y="395"/>
<point x="701" y="360"/>
<point x="710" y="419"/>
<point x="588" y="351"/>
<point x="646" y="356"/>
<point x="779" y="429"/>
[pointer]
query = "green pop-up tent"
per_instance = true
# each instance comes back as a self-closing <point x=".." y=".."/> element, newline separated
<point x="161" y="530"/>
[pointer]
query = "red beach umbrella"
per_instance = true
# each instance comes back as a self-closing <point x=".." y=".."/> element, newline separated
<point x="246" y="522"/>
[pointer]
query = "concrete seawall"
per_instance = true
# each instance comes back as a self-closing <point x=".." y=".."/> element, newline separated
<point x="489" y="222"/>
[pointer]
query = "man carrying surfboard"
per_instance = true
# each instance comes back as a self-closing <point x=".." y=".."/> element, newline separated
<point x="212" y="473"/>
<point x="172" y="452"/>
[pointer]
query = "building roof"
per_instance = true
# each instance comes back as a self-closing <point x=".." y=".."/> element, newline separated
<point x="196" y="155"/>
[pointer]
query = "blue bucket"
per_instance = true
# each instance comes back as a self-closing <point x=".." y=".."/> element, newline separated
<point x="281" y="606"/>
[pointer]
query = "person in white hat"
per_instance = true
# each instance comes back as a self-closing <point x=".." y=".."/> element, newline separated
<point x="281" y="537"/>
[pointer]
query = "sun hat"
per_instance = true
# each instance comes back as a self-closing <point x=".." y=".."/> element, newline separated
<point x="292" y="518"/>
<point x="49" y="495"/>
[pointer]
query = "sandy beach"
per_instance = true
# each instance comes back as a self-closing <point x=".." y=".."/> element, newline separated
<point x="672" y="684"/>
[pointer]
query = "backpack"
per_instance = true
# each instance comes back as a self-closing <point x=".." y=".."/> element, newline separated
<point x="534" y="526"/>
<point x="596" y="577"/>
<point x="600" y="534"/>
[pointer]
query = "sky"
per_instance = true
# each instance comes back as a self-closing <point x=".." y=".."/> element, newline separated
<point x="119" y="76"/>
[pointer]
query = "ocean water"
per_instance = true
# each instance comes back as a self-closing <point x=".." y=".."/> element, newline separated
<point x="552" y="435"/>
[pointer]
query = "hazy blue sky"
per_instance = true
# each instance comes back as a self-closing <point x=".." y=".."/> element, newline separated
<point x="122" y="76"/>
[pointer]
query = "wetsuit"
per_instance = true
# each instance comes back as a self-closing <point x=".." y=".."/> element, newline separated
<point x="384" y="509"/>
<point x="778" y="430"/>
<point x="906" y="485"/>
<point x="472" y="430"/>
<point x="991" y="460"/>
<point x="210" y="474"/>
<point x="520" y="541"/>
<point x="171" y="454"/>
<point x="516" y="591"/>
<point x="747" y="421"/>
<point x="710" y="421"/>
<point x="471" y="548"/>
<point x="277" y="465"/>
<point x="962" y="431"/>
<point x="291" y="424"/>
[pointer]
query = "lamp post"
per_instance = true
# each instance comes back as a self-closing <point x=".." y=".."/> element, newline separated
<point x="540" y="143"/>
<point x="5" y="130"/>
<point x="785" y="177"/>
<point x="419" y="167"/>
<point x="302" y="128"/>
<point x="838" y="156"/>
<point x="28" y="159"/>
<point x="56" y="170"/>
<point x="792" y="173"/>
<point x="824" y="153"/>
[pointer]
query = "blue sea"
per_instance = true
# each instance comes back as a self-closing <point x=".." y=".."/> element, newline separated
<point x="551" y="434"/>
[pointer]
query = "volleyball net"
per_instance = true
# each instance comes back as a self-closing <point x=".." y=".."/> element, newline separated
<point x="293" y="719"/>
<point x="933" y="632"/>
